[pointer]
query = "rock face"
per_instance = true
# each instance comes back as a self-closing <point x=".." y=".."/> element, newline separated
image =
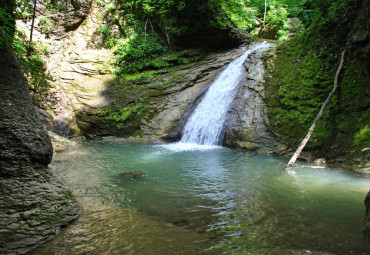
<point x="247" y="123"/>
<point x="73" y="14"/>
<point x="367" y="222"/>
<point x="33" y="204"/>
<point x="301" y="79"/>
<point x="165" y="100"/>
<point x="87" y="100"/>
<point x="359" y="38"/>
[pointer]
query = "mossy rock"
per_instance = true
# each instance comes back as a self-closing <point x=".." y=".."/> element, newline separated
<point x="299" y="82"/>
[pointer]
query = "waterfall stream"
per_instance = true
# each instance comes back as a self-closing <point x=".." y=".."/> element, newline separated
<point x="205" y="125"/>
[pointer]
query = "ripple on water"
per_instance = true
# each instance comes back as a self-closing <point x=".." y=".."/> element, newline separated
<point x="112" y="230"/>
<point x="241" y="201"/>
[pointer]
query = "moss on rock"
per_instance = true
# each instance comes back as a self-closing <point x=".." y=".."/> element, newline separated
<point x="299" y="82"/>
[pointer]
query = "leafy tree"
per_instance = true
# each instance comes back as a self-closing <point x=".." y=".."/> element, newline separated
<point x="271" y="17"/>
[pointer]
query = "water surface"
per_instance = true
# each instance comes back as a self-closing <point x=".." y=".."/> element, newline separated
<point x="206" y="200"/>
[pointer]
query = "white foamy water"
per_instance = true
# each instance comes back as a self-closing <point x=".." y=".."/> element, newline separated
<point x="205" y="125"/>
<point x="180" y="146"/>
<point x="204" y="128"/>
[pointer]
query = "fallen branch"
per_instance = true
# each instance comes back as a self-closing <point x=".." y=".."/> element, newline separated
<point x="257" y="19"/>
<point x="310" y="131"/>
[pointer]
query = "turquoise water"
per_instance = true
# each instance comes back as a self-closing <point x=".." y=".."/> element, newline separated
<point x="212" y="201"/>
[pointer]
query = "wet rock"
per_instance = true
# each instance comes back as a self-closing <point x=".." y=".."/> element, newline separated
<point x="247" y="123"/>
<point x="132" y="175"/>
<point x="61" y="143"/>
<point x="367" y="222"/>
<point x="74" y="13"/>
<point x="169" y="99"/>
<point x="182" y="223"/>
<point x="34" y="205"/>
<point x="359" y="38"/>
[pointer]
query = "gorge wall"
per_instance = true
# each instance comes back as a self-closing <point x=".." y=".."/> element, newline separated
<point x="275" y="104"/>
<point x="34" y="205"/>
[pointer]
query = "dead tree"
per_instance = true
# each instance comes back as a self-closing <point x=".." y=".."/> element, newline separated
<point x="310" y="131"/>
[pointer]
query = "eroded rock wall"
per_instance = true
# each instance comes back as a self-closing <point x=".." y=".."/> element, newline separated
<point x="34" y="205"/>
<point x="247" y="123"/>
<point x="165" y="100"/>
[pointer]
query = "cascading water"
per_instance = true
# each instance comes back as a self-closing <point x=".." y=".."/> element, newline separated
<point x="205" y="125"/>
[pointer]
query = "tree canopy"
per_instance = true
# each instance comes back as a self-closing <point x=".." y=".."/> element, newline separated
<point x="150" y="28"/>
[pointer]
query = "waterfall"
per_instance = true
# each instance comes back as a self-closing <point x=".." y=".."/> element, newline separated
<point x="205" y="125"/>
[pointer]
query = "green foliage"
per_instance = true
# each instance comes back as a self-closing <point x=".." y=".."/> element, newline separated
<point x="22" y="9"/>
<point x="173" y="17"/>
<point x="240" y="13"/>
<point x="7" y="27"/>
<point x="109" y="39"/>
<point x="46" y="49"/>
<point x="33" y="65"/>
<point x="138" y="52"/>
<point x="150" y="29"/>
<point x="145" y="50"/>
<point x="303" y="77"/>
<point x="276" y="17"/>
<point x="363" y="136"/>
<point x="119" y="116"/>
<point x="45" y="25"/>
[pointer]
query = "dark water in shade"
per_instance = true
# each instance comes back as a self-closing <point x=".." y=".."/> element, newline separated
<point x="206" y="201"/>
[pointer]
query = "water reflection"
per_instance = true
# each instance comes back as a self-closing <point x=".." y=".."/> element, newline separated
<point x="112" y="230"/>
<point x="192" y="200"/>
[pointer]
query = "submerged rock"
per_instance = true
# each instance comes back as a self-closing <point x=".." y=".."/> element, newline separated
<point x="34" y="205"/>
<point x="132" y="174"/>
<point x="113" y="230"/>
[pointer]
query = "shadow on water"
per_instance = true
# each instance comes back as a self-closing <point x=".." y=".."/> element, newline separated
<point x="205" y="201"/>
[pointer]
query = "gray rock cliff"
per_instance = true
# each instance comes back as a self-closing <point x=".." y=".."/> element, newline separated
<point x="247" y="123"/>
<point x="34" y="205"/>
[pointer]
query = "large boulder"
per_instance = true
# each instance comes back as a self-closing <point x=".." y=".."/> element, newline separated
<point x="367" y="222"/>
<point x="34" y="205"/>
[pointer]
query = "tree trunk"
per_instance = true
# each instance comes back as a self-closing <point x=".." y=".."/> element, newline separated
<point x="310" y="131"/>
<point x="264" y="17"/>
<point x="33" y="22"/>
